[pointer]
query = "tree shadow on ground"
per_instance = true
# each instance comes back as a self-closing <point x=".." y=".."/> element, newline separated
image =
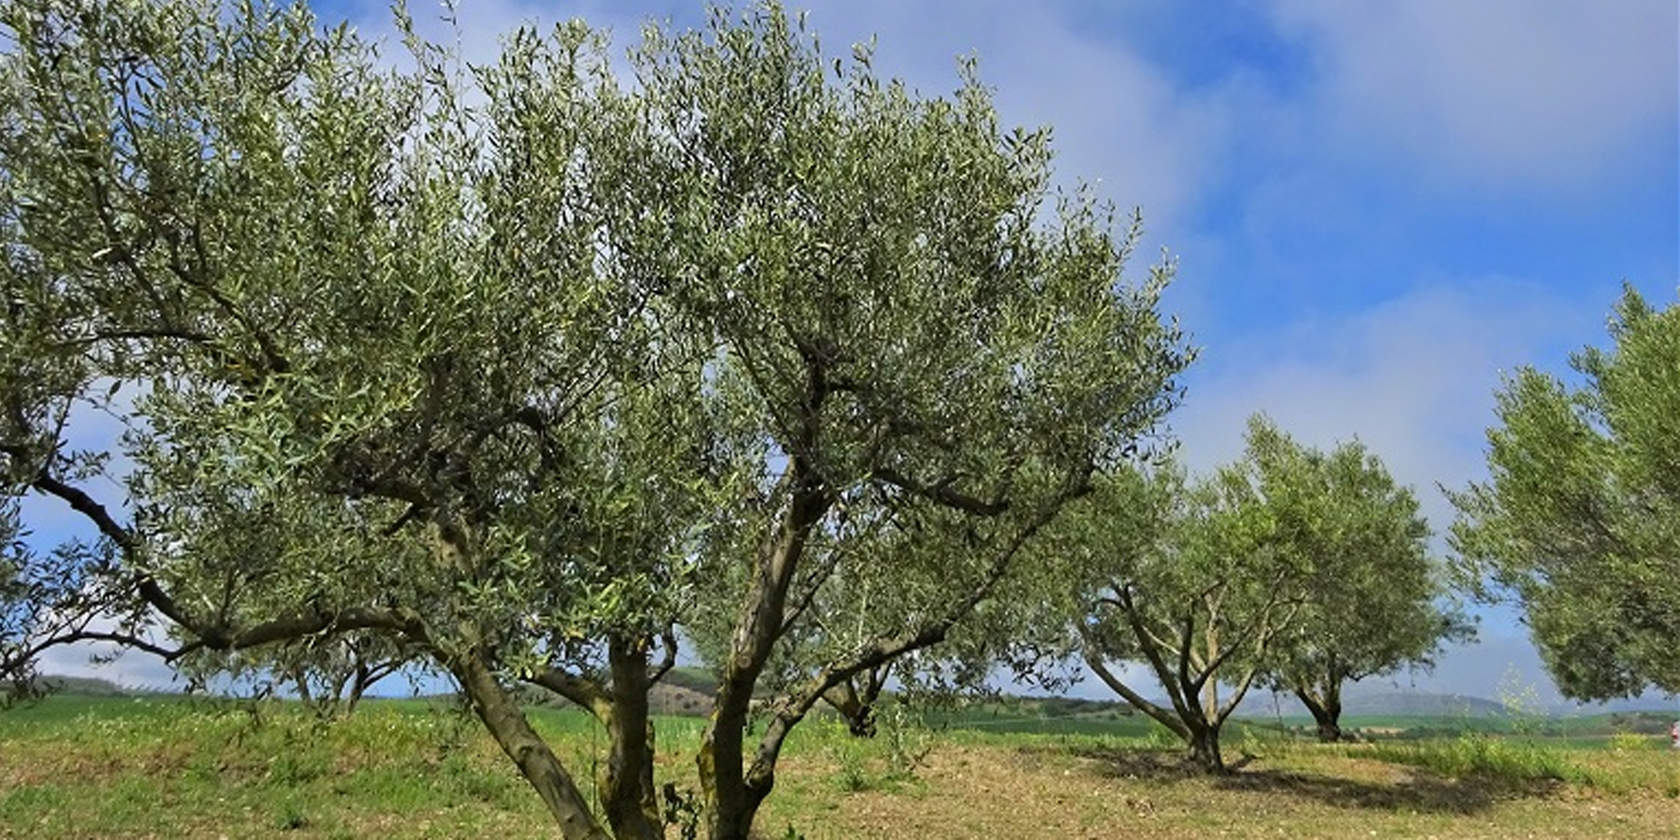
<point x="1417" y="789"/>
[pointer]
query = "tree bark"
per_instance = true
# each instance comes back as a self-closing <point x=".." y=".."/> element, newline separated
<point x="626" y="780"/>
<point x="539" y="765"/>
<point x="1326" y="711"/>
<point x="1204" y="748"/>
<point x="730" y="797"/>
<point x="857" y="707"/>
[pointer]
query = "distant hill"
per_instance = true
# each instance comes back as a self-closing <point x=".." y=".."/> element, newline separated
<point x="89" y="687"/>
<point x="694" y="679"/>
<point x="1378" y="701"/>
<point x="683" y="691"/>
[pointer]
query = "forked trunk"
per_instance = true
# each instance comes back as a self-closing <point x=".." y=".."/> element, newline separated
<point x="536" y="762"/>
<point x="731" y="799"/>
<point x="731" y="794"/>
<point x="1204" y="749"/>
<point x="1326" y="711"/>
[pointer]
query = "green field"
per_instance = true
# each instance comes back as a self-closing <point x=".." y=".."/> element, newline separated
<point x="170" y="767"/>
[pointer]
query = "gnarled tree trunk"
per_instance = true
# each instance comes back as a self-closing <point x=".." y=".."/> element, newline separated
<point x="626" y="780"/>
<point x="1326" y="709"/>
<point x="1203" y="746"/>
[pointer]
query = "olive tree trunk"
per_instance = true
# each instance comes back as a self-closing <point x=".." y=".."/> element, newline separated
<point x="626" y="779"/>
<point x="1326" y="709"/>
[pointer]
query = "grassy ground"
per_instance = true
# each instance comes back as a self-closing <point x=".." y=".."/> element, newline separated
<point x="165" y="767"/>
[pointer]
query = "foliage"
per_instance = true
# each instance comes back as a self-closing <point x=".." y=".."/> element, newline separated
<point x="1626" y="741"/>
<point x="1476" y="753"/>
<point x="1579" y="519"/>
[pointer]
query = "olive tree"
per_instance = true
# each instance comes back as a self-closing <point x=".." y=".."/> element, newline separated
<point x="929" y="362"/>
<point x="1194" y="580"/>
<point x="519" y="369"/>
<point x="1378" y="598"/>
<point x="332" y="675"/>
<point x="389" y="353"/>
<point x="1578" y="521"/>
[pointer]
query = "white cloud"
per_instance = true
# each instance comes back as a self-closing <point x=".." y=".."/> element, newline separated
<point x="1494" y="92"/>
<point x="132" y="669"/>
<point x="1116" y="117"/>
<point x="1413" y="377"/>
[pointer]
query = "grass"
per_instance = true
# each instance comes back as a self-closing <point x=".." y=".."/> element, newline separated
<point x="170" y="767"/>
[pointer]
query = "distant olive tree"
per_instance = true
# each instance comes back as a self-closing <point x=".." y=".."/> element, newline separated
<point x="1577" y="520"/>
<point x="332" y="676"/>
<point x="1378" y="600"/>
<point x="522" y="369"/>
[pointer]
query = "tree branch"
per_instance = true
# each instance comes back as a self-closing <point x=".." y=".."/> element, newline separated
<point x="942" y="493"/>
<point x="585" y="693"/>
<point x="668" y="639"/>
<point x="1161" y="716"/>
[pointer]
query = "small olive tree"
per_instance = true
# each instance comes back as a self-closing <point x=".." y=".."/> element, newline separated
<point x="332" y="675"/>
<point x="1378" y="601"/>
<point x="1194" y="580"/>
<point x="1576" y="521"/>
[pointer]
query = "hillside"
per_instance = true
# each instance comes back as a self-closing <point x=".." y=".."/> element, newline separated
<point x="1378" y="701"/>
<point x="85" y="687"/>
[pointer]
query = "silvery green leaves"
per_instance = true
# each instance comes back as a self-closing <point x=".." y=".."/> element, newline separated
<point x="1577" y="520"/>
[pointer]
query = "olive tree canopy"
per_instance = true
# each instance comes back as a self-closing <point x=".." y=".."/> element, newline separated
<point x="1579" y="519"/>
<point x="521" y="368"/>
<point x="1193" y="579"/>
<point x="1378" y="597"/>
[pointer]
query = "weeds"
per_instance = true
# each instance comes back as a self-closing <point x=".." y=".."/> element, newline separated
<point x="1479" y="754"/>
<point x="1630" y="741"/>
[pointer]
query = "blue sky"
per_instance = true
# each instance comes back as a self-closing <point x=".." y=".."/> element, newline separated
<point x="1376" y="206"/>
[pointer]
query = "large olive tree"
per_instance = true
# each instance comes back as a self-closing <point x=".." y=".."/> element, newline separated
<point x="520" y="368"/>
<point x="388" y="363"/>
<point x="1579" y="519"/>
<point x="928" y="362"/>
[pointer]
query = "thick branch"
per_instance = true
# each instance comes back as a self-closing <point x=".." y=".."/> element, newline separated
<point x="123" y="639"/>
<point x="668" y="660"/>
<point x="942" y="493"/>
<point x="1161" y="716"/>
<point x="1134" y="619"/>
<point x="108" y="526"/>
<point x="587" y="694"/>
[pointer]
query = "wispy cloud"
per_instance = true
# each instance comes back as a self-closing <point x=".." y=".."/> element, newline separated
<point x="1502" y="94"/>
